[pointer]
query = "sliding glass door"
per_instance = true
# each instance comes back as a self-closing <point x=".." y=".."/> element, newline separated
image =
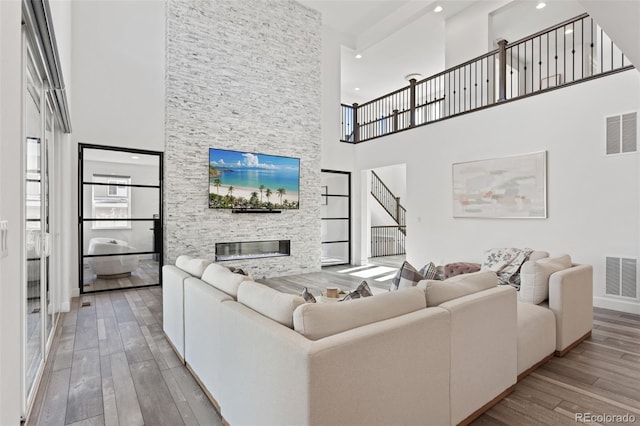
<point x="40" y="304"/>
<point x="120" y="225"/>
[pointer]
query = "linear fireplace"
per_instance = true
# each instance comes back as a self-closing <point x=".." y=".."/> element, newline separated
<point x="252" y="249"/>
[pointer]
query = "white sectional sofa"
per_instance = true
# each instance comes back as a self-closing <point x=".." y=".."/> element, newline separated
<point x="265" y="357"/>
<point x="440" y="353"/>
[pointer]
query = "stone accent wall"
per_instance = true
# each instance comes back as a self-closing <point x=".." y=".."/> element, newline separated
<point x="241" y="75"/>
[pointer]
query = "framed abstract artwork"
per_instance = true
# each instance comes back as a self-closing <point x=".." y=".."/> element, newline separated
<point x="507" y="187"/>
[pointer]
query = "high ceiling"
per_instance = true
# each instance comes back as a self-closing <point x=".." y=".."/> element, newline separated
<point x="401" y="37"/>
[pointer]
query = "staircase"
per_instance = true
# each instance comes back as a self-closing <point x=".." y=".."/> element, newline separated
<point x="388" y="240"/>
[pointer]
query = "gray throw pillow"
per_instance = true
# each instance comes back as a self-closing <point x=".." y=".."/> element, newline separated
<point x="362" y="290"/>
<point x="429" y="271"/>
<point x="407" y="276"/>
<point x="307" y="296"/>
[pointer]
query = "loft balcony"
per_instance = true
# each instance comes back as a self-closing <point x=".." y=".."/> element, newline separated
<point x="571" y="52"/>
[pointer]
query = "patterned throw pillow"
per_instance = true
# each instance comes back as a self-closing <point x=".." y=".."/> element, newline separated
<point x="307" y="296"/>
<point x="407" y="276"/>
<point x="429" y="271"/>
<point x="506" y="263"/>
<point x="362" y="290"/>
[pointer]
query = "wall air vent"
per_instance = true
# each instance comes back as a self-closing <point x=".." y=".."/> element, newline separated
<point x="621" y="277"/>
<point x="622" y="133"/>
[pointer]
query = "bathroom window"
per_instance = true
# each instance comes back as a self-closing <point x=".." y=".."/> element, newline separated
<point x="111" y="199"/>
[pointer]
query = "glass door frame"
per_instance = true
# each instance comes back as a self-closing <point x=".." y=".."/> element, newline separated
<point x="49" y="308"/>
<point x="158" y="248"/>
<point x="348" y="218"/>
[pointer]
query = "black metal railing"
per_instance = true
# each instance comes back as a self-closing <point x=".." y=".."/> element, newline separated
<point x="388" y="200"/>
<point x="388" y="240"/>
<point x="573" y="51"/>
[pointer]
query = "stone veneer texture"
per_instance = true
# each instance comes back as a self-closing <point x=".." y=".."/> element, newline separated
<point x="241" y="75"/>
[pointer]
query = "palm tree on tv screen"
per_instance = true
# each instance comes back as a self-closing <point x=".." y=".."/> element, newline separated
<point x="281" y="192"/>
<point x="216" y="183"/>
<point x="268" y="193"/>
<point x="261" y="188"/>
<point x="230" y="191"/>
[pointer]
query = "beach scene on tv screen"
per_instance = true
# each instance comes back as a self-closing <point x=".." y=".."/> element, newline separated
<point x="240" y="180"/>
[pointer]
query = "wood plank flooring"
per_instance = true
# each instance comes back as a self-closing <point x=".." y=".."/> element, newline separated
<point x="111" y="365"/>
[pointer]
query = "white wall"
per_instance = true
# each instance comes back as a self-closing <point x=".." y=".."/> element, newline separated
<point x="593" y="200"/>
<point x="117" y="88"/>
<point x="11" y="190"/>
<point x="621" y="23"/>
<point x="467" y="33"/>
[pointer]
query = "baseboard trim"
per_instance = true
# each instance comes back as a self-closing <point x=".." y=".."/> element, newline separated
<point x="566" y="350"/>
<point x="486" y="406"/>
<point x="207" y="393"/>
<point x="534" y="367"/>
<point x="180" y="357"/>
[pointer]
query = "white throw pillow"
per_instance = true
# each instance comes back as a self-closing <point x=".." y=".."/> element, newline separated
<point x="534" y="278"/>
<point x="223" y="279"/>
<point x="192" y="266"/>
<point x="269" y="302"/>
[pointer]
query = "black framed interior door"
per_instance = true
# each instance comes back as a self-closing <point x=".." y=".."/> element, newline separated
<point x="335" y="210"/>
<point x="119" y="218"/>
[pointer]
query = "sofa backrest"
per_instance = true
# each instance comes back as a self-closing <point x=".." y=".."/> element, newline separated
<point x="438" y="292"/>
<point x="271" y="303"/>
<point x="223" y="279"/>
<point x="192" y="266"/>
<point x="318" y="320"/>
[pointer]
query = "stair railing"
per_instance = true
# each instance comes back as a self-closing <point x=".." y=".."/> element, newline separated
<point x="571" y="52"/>
<point x="387" y="199"/>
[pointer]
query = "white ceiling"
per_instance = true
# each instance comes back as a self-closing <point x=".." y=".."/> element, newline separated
<point x="400" y="37"/>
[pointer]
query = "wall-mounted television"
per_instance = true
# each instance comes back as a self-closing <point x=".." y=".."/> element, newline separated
<point x="247" y="180"/>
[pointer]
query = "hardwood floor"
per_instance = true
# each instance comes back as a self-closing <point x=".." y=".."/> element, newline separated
<point x="599" y="376"/>
<point x="111" y="365"/>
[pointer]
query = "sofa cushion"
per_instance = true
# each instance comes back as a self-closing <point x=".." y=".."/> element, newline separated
<point x="223" y="279"/>
<point x="534" y="277"/>
<point x="407" y="276"/>
<point x="315" y="321"/>
<point x="438" y="292"/>
<point x="429" y="271"/>
<point x="271" y="303"/>
<point x="191" y="265"/>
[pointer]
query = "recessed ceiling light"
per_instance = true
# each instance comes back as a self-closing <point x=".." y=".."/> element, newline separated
<point x="568" y="31"/>
<point x="356" y="89"/>
<point x="135" y="157"/>
<point x="358" y="56"/>
<point x="438" y="9"/>
<point x="541" y="5"/>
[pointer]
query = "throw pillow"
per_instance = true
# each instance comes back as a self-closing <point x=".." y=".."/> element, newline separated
<point x="407" y="276"/>
<point x="429" y="271"/>
<point x="307" y="296"/>
<point x="362" y="290"/>
<point x="506" y="263"/>
<point x="459" y="268"/>
<point x="534" y="287"/>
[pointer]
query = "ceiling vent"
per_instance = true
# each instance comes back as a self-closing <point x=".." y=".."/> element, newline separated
<point x="621" y="277"/>
<point x="622" y="133"/>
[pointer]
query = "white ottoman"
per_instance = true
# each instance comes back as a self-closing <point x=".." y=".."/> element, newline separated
<point x="536" y="336"/>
